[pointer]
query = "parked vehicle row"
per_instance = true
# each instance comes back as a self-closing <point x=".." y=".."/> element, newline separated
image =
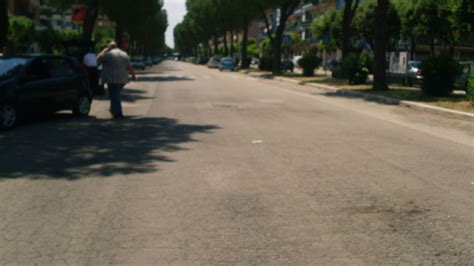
<point x="467" y="71"/>
<point x="140" y="62"/>
<point x="228" y="63"/>
<point x="414" y="74"/>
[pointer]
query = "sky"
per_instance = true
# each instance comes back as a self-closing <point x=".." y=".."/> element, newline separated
<point x="176" y="10"/>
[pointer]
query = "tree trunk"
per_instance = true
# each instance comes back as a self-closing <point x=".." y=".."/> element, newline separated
<point x="91" y="17"/>
<point x="285" y="12"/>
<point x="3" y="24"/>
<point x="277" y="54"/>
<point x="232" y="47"/>
<point x="243" y="46"/>
<point x="119" y="33"/>
<point x="216" y="45"/>
<point x="380" y="74"/>
<point x="226" y="47"/>
<point x="349" y="11"/>
<point x="432" y="47"/>
<point x="412" y="49"/>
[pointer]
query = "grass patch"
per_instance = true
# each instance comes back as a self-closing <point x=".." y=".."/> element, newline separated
<point x="454" y="102"/>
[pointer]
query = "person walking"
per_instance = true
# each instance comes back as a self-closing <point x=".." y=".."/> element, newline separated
<point x="90" y="62"/>
<point x="115" y="69"/>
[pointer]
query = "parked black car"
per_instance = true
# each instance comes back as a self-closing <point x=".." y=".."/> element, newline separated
<point x="287" y="65"/>
<point x="42" y="84"/>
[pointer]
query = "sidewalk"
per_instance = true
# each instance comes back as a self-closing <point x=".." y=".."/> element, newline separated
<point x="355" y="91"/>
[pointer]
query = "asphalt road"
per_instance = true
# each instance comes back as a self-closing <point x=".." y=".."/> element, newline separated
<point x="222" y="169"/>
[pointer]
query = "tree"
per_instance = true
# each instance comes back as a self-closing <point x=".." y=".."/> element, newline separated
<point x="364" y="23"/>
<point x="380" y="75"/>
<point x="408" y="21"/>
<point x="247" y="11"/>
<point x="3" y="23"/>
<point x="350" y="9"/>
<point x="286" y="9"/>
<point x="328" y="27"/>
<point x="20" y="34"/>
<point x="92" y="11"/>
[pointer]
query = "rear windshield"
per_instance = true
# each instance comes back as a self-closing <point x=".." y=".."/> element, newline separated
<point x="415" y="64"/>
<point x="9" y="67"/>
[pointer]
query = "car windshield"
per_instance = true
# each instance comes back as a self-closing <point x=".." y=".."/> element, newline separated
<point x="9" y="67"/>
<point x="227" y="61"/>
<point x="415" y="64"/>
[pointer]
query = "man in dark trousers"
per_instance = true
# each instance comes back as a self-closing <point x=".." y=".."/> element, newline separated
<point x="90" y="61"/>
<point x="115" y="69"/>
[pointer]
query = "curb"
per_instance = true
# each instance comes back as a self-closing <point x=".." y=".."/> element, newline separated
<point x="377" y="98"/>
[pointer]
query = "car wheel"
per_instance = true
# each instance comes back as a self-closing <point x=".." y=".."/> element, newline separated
<point x="8" y="116"/>
<point x="83" y="106"/>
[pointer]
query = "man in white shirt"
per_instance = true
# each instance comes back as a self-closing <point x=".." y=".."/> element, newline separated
<point x="90" y="61"/>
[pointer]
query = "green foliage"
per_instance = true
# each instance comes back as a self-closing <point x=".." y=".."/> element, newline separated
<point x="50" y="41"/>
<point x="430" y="20"/>
<point x="266" y="47"/>
<point x="329" y="26"/>
<point x="364" y="23"/>
<point x="470" y="88"/>
<point x="355" y="67"/>
<point x="309" y="63"/>
<point x="253" y="50"/>
<point x="266" y="63"/>
<point x="20" y="33"/>
<point x="439" y="74"/>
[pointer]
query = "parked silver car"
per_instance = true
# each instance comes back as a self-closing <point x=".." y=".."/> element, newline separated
<point x="227" y="63"/>
<point x="467" y="71"/>
<point x="413" y="75"/>
<point x="213" y="63"/>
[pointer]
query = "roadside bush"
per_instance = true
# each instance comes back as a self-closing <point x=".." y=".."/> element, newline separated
<point x="266" y="63"/>
<point x="309" y="63"/>
<point x="355" y="67"/>
<point x="439" y="74"/>
<point x="470" y="88"/>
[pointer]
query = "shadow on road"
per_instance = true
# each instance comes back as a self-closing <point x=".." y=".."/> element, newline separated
<point x="71" y="149"/>
<point x="394" y="96"/>
<point x="162" y="79"/>
<point x="365" y="96"/>
<point x="129" y="95"/>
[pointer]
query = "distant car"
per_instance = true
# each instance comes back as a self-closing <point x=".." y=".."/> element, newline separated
<point x="287" y="65"/>
<point x="200" y="61"/>
<point x="148" y="62"/>
<point x="213" y="63"/>
<point x="413" y="74"/>
<point x="156" y="60"/>
<point x="42" y="84"/>
<point x="255" y="61"/>
<point x="467" y="71"/>
<point x="227" y="64"/>
<point x="138" y="64"/>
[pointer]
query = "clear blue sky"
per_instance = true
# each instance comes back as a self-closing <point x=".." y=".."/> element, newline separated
<point x="176" y="10"/>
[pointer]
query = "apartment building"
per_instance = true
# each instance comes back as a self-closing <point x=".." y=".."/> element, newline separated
<point x="51" y="18"/>
<point x="300" y="21"/>
<point x="27" y="8"/>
